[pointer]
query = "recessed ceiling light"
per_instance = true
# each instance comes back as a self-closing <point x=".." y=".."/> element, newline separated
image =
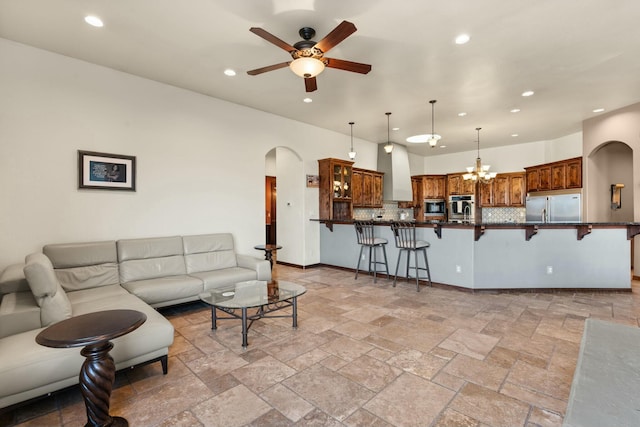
<point x="515" y="110"/>
<point x="462" y="39"/>
<point x="229" y="72"/>
<point x="514" y="135"/>
<point x="528" y="93"/>
<point x="462" y="114"/>
<point x="442" y="146"/>
<point x="598" y="110"/>
<point x="395" y="128"/>
<point x="307" y="100"/>
<point x="93" y="21"/>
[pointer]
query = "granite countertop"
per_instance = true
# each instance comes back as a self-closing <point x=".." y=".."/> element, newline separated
<point x="490" y="224"/>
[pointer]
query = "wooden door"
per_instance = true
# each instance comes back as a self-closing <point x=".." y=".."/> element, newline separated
<point x="486" y="194"/>
<point x="357" y="183"/>
<point x="516" y="189"/>
<point x="559" y="177"/>
<point x="454" y="184"/>
<point x="545" y="178"/>
<point x="367" y="189"/>
<point x="440" y="184"/>
<point x="501" y="190"/>
<point x="270" y="210"/>
<point x="574" y="173"/>
<point x="533" y="179"/>
<point x="468" y="186"/>
<point x="377" y="190"/>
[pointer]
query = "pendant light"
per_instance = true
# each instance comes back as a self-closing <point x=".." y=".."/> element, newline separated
<point x="479" y="172"/>
<point x="388" y="148"/>
<point x="433" y="138"/>
<point x="352" y="154"/>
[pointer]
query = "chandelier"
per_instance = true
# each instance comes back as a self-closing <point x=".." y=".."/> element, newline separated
<point x="479" y="172"/>
<point x="352" y="154"/>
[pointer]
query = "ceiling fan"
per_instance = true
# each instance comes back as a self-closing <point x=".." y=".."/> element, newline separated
<point x="308" y="55"/>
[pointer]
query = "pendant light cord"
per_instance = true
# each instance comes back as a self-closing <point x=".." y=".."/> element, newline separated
<point x="351" y="124"/>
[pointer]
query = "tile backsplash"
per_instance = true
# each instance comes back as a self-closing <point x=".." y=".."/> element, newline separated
<point x="503" y="215"/>
<point x="389" y="211"/>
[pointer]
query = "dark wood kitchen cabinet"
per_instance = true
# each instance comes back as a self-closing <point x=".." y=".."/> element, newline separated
<point x="367" y="188"/>
<point x="457" y="185"/>
<point x="434" y="186"/>
<point x="560" y="175"/>
<point x="505" y="190"/>
<point x="335" y="190"/>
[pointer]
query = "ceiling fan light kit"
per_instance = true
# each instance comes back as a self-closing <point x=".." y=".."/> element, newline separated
<point x="308" y="56"/>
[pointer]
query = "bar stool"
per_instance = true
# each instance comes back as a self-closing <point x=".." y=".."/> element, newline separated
<point x="366" y="238"/>
<point x="405" y="236"/>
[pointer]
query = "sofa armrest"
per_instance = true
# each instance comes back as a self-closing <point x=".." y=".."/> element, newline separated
<point x="12" y="280"/>
<point x="261" y="266"/>
<point x="19" y="312"/>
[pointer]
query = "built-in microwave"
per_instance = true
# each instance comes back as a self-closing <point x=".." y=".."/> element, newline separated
<point x="434" y="208"/>
<point x="462" y="208"/>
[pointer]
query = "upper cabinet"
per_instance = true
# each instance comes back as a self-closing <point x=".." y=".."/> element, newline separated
<point x="434" y="186"/>
<point x="559" y="175"/>
<point x="335" y="189"/>
<point x="458" y="185"/>
<point x="505" y="190"/>
<point x="367" y="188"/>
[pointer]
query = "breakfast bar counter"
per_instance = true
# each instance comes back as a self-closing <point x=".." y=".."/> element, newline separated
<point x="485" y="256"/>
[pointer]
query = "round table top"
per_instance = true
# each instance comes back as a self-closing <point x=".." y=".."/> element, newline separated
<point x="252" y="293"/>
<point x="268" y="247"/>
<point x="91" y="328"/>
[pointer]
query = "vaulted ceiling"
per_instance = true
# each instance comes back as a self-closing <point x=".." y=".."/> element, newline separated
<point x="576" y="55"/>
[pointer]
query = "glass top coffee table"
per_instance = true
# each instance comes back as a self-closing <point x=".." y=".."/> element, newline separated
<point x="267" y="297"/>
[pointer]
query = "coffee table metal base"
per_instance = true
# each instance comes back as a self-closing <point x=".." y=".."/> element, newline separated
<point x="262" y="313"/>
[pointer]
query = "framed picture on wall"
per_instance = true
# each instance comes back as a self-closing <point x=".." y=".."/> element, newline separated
<point x="313" y="181"/>
<point x="104" y="171"/>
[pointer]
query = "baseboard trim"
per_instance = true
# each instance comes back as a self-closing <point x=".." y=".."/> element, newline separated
<point x="302" y="267"/>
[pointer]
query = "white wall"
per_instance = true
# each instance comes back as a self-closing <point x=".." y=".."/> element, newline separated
<point x="510" y="158"/>
<point x="200" y="167"/>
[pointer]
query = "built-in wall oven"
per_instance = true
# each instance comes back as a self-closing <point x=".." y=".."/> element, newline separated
<point x="434" y="209"/>
<point x="462" y="208"/>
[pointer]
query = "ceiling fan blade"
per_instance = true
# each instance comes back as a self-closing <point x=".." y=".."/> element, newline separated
<point x="272" y="39"/>
<point x="341" y="32"/>
<point x="267" y="68"/>
<point x="310" y="84"/>
<point x="341" y="64"/>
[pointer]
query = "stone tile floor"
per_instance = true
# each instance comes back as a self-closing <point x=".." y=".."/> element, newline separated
<point x="364" y="354"/>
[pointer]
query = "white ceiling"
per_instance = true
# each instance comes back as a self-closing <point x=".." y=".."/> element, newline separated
<point x="576" y="55"/>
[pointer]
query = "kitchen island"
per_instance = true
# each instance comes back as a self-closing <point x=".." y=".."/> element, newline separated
<point x="485" y="256"/>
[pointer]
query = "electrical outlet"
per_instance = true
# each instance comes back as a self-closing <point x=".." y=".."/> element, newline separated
<point x="363" y="257"/>
<point x="549" y="269"/>
<point x="458" y="269"/>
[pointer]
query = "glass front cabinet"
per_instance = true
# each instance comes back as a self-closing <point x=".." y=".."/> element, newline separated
<point x="335" y="189"/>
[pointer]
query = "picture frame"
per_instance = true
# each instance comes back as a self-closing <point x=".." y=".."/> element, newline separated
<point x="105" y="171"/>
<point x="313" y="181"/>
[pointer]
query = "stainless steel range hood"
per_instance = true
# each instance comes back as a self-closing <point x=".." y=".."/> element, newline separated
<point x="397" y="176"/>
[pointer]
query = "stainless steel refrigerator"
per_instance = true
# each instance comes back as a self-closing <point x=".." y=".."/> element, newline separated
<point x="554" y="208"/>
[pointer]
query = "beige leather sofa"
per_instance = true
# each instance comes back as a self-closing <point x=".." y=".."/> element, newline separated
<point x="71" y="279"/>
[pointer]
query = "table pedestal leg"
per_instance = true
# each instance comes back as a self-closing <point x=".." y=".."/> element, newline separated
<point x="213" y="318"/>
<point x="96" y="381"/>
<point x="244" y="327"/>
<point x="294" y="310"/>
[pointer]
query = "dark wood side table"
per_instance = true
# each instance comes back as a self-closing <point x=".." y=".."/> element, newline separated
<point x="268" y="251"/>
<point x="94" y="331"/>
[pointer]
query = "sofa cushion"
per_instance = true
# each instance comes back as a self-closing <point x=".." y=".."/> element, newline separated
<point x="53" y="301"/>
<point x="162" y="290"/>
<point x="142" y="259"/>
<point x="218" y="278"/>
<point x="206" y="252"/>
<point x="84" y="265"/>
